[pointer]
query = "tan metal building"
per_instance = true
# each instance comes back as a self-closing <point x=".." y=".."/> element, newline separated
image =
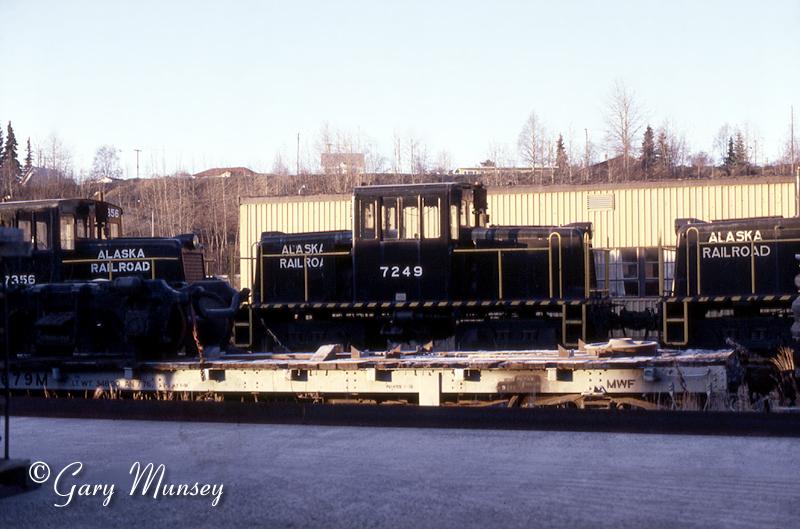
<point x="630" y="219"/>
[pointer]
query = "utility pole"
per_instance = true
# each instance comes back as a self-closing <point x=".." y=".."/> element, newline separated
<point x="137" y="162"/>
<point x="586" y="156"/>
<point x="298" y="155"/>
<point x="791" y="137"/>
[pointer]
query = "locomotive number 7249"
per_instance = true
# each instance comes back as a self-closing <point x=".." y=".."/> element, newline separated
<point x="401" y="271"/>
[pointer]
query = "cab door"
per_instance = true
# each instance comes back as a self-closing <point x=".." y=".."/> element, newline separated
<point x="40" y="267"/>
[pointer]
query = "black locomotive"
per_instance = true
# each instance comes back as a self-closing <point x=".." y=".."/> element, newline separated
<point x="421" y="264"/>
<point x="85" y="289"/>
<point x="734" y="280"/>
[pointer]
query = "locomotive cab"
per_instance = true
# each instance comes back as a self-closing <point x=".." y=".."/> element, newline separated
<point x="403" y="237"/>
<point x="55" y="228"/>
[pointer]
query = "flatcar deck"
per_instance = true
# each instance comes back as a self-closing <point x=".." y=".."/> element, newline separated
<point x="526" y="377"/>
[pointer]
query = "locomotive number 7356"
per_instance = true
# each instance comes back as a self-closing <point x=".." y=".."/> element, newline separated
<point x="404" y="271"/>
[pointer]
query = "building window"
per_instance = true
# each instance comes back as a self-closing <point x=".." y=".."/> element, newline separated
<point x="632" y="272"/>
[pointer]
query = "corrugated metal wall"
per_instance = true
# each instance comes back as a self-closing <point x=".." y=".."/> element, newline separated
<point x="289" y="215"/>
<point x="640" y="215"/>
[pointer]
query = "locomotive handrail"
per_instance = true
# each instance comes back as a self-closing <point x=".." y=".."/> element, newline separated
<point x="320" y="254"/>
<point x="485" y="250"/>
<point x="550" y="261"/>
<point x="252" y="272"/>
<point x="752" y="269"/>
<point x="697" y="251"/>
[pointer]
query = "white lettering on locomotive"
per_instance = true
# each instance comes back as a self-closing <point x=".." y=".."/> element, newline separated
<point x="121" y="253"/>
<point x="20" y="279"/>
<point x="735" y="236"/>
<point x="296" y="262"/>
<point x="301" y="249"/>
<point x="733" y="252"/>
<point x="116" y="267"/>
<point x="290" y="249"/>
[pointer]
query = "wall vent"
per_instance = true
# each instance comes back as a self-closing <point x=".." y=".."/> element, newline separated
<point x="600" y="202"/>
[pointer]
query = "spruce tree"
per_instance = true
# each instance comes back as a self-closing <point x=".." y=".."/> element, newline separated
<point x="562" y="161"/>
<point x="729" y="163"/>
<point x="10" y="165"/>
<point x="740" y="152"/>
<point x="28" y="157"/>
<point x="662" y="156"/>
<point x="648" y="159"/>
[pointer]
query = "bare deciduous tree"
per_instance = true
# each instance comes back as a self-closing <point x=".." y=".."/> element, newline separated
<point x="530" y="142"/>
<point x="106" y="163"/>
<point x="279" y="166"/>
<point x="624" y="120"/>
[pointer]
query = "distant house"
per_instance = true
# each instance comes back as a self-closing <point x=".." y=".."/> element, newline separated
<point x="103" y="180"/>
<point x="41" y="176"/>
<point x="613" y="169"/>
<point x="342" y="163"/>
<point x="491" y="169"/>
<point x="225" y="172"/>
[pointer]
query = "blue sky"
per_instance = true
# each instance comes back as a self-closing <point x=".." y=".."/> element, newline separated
<point x="196" y="85"/>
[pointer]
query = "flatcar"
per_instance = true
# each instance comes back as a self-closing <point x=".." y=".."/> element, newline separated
<point x="734" y="282"/>
<point x="86" y="289"/>
<point x="422" y="263"/>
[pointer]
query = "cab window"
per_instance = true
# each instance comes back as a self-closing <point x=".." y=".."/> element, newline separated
<point x="67" y="226"/>
<point x="42" y="235"/>
<point x="389" y="219"/>
<point x="25" y="226"/>
<point x="81" y="229"/>
<point x="410" y="225"/>
<point x="367" y="220"/>
<point x="113" y="230"/>
<point x="454" y="221"/>
<point x="431" y="228"/>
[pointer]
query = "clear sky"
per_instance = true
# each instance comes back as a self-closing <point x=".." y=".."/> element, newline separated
<point x="197" y="84"/>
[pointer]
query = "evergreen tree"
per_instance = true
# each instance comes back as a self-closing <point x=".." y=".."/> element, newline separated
<point x="9" y="167"/>
<point x="740" y="151"/>
<point x="562" y="162"/>
<point x="2" y="148"/>
<point x="648" y="159"/>
<point x="663" y="162"/>
<point x="729" y="163"/>
<point x="28" y="157"/>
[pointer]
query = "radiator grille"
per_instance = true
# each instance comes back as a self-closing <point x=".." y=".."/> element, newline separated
<point x="193" y="266"/>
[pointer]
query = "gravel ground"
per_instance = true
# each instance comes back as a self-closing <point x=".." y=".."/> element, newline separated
<point x="331" y="477"/>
